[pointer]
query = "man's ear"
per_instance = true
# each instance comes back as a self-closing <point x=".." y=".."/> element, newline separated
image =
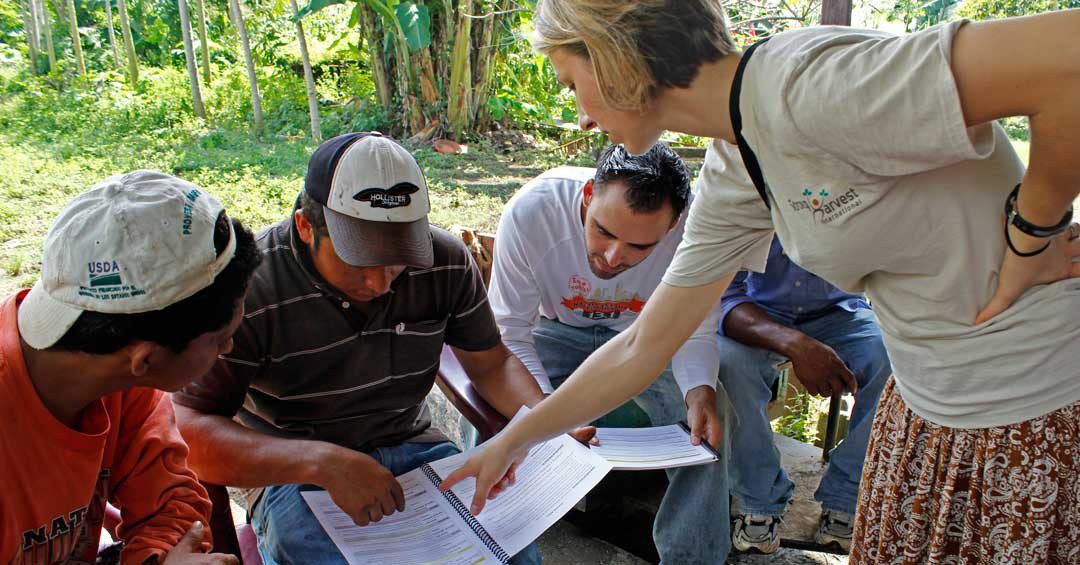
<point x="303" y="227"/>
<point x="144" y="356"/>
<point x="587" y="192"/>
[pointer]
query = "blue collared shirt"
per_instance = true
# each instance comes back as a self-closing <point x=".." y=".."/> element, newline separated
<point x="786" y="291"/>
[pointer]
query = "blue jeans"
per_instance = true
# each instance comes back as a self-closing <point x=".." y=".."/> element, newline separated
<point x="288" y="532"/>
<point x="759" y="483"/>
<point x="691" y="525"/>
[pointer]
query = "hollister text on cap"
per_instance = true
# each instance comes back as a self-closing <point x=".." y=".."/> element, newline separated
<point x="133" y="243"/>
<point x="376" y="200"/>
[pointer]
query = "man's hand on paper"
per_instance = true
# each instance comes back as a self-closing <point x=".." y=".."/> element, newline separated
<point x="702" y="417"/>
<point x="357" y="483"/>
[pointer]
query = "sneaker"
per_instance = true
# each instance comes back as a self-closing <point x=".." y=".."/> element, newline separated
<point x="756" y="532"/>
<point x="835" y="529"/>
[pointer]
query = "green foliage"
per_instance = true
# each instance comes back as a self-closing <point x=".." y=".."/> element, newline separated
<point x="990" y="9"/>
<point x="57" y="143"/>
<point x="920" y="14"/>
<point x="415" y="21"/>
<point x="800" y="421"/>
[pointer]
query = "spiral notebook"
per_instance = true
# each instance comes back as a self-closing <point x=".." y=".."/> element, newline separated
<point x="438" y="528"/>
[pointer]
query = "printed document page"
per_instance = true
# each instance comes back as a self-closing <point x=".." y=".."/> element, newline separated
<point x="663" y="447"/>
<point x="554" y="477"/>
<point x="428" y="531"/>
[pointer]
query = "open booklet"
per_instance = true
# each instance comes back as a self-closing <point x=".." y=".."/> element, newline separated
<point x="438" y="527"/>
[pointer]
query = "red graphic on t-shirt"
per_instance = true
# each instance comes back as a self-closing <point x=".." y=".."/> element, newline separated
<point x="579" y="286"/>
<point x="600" y="304"/>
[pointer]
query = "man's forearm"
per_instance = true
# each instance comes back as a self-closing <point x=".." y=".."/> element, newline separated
<point x="748" y="324"/>
<point x="225" y="452"/>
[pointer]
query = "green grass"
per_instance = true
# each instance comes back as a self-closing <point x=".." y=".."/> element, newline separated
<point x="56" y="145"/>
<point x="256" y="180"/>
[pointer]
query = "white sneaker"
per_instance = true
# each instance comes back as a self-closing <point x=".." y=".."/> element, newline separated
<point x="835" y="528"/>
<point x="756" y="532"/>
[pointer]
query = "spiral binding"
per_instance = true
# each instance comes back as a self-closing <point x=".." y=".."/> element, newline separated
<point x="470" y="520"/>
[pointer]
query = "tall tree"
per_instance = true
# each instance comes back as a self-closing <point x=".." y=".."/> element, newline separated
<point x="458" y="105"/>
<point x="26" y="7"/>
<point x="256" y="100"/>
<point x="46" y="30"/>
<point x="189" y="58"/>
<point x="309" y="79"/>
<point x="204" y="39"/>
<point x="112" y="33"/>
<point x="129" y="44"/>
<point x="76" y="39"/>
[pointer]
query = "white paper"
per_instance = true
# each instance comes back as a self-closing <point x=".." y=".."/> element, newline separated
<point x="637" y="449"/>
<point x="428" y="531"/>
<point x="554" y="477"/>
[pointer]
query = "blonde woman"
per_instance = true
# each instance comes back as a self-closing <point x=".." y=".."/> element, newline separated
<point x="877" y="164"/>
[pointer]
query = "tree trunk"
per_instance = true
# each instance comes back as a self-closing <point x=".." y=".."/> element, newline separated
<point x="412" y="115"/>
<point x="26" y="7"/>
<point x="112" y="34"/>
<point x="458" y="92"/>
<point x="129" y="44"/>
<point x="309" y="79"/>
<point x="76" y="39"/>
<point x="189" y="58"/>
<point x="46" y="29"/>
<point x="429" y="92"/>
<point x="836" y="12"/>
<point x="204" y="39"/>
<point x="484" y="66"/>
<point x="370" y="32"/>
<point x="256" y="101"/>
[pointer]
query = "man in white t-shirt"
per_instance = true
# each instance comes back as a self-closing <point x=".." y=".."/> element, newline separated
<point x="578" y="253"/>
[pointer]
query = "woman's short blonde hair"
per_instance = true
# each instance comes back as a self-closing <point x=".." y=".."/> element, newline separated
<point x="637" y="47"/>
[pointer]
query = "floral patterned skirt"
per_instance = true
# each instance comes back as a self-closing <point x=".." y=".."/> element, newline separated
<point x="933" y="494"/>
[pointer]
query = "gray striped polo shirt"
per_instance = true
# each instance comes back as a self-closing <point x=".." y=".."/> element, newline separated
<point x="308" y="364"/>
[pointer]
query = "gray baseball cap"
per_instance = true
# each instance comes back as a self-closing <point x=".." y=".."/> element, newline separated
<point x="375" y="198"/>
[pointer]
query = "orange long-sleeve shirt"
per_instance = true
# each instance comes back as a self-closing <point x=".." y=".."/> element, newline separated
<point x="55" y="480"/>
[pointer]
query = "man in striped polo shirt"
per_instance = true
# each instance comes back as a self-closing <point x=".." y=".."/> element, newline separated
<point x="345" y="321"/>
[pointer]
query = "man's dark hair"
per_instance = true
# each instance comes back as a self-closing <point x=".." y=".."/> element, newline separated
<point x="651" y="178"/>
<point x="313" y="212"/>
<point x="174" y="326"/>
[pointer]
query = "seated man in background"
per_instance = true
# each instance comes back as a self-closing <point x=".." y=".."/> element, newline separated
<point x="141" y="288"/>
<point x="578" y="253"/>
<point x="345" y="324"/>
<point x="834" y="344"/>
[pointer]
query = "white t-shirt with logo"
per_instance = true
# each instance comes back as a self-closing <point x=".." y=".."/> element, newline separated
<point x="878" y="186"/>
<point x="541" y="268"/>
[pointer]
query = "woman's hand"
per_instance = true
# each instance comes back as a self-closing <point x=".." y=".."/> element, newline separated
<point x="494" y="467"/>
<point x="1018" y="274"/>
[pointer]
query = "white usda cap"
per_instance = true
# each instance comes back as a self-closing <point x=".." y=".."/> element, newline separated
<point x="133" y="243"/>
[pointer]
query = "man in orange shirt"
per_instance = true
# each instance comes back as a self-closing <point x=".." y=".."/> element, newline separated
<point x="141" y="288"/>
